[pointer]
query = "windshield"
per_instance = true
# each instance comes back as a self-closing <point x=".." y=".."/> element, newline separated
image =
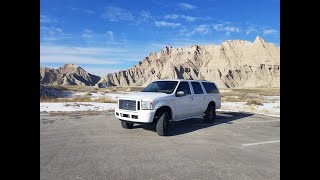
<point x="161" y="86"/>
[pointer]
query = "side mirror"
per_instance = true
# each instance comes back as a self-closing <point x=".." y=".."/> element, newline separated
<point x="180" y="93"/>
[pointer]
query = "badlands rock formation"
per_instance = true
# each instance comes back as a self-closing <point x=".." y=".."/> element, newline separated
<point x="234" y="63"/>
<point x="69" y="74"/>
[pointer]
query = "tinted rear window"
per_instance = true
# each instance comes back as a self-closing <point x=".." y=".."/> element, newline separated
<point x="197" y="88"/>
<point x="210" y="87"/>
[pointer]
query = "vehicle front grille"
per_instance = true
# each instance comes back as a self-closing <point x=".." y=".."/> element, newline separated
<point x="127" y="104"/>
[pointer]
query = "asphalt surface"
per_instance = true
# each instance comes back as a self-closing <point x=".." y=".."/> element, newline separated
<point x="95" y="146"/>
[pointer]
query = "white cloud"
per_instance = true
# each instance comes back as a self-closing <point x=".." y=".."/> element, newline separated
<point x="231" y="29"/>
<point x="114" y="14"/>
<point x="166" y="24"/>
<point x="70" y="50"/>
<point x="74" y="59"/>
<point x="270" y="31"/>
<point x="204" y="29"/>
<point x="78" y="55"/>
<point x="145" y="15"/>
<point x="224" y="28"/>
<point x="52" y="33"/>
<point x="87" y="55"/>
<point x="87" y="34"/>
<point x="47" y="19"/>
<point x="89" y="11"/>
<point x="250" y="30"/>
<point x="176" y="16"/>
<point x="186" y="6"/>
<point x="109" y="35"/>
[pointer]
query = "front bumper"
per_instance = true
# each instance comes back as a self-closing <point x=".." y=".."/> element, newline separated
<point x="141" y="116"/>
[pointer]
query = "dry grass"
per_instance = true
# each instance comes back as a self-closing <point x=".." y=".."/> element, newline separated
<point x="79" y="99"/>
<point x="104" y="100"/>
<point x="232" y="99"/>
<point x="254" y="102"/>
<point x="77" y="114"/>
<point x="122" y="89"/>
<point x="78" y="105"/>
<point x="73" y="88"/>
<point x="94" y="89"/>
<point x="245" y="94"/>
<point x="260" y="91"/>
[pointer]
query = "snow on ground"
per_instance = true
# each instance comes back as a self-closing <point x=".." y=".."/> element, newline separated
<point x="108" y="95"/>
<point x="76" y="106"/>
<point x="97" y="95"/>
<point x="271" y="106"/>
<point x="78" y="94"/>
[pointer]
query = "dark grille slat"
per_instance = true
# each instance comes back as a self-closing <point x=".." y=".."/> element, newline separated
<point x="127" y="104"/>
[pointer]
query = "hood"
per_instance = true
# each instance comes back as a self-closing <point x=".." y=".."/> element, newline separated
<point x="144" y="95"/>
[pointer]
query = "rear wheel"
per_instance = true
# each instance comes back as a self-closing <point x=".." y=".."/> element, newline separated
<point x="162" y="123"/>
<point x="210" y="114"/>
<point x="127" y="125"/>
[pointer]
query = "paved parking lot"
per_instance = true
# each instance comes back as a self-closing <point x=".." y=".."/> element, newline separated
<point x="95" y="146"/>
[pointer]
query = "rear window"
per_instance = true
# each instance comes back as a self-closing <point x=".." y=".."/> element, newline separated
<point x="197" y="88"/>
<point x="210" y="87"/>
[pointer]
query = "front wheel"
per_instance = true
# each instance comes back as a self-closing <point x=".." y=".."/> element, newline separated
<point x="127" y="125"/>
<point x="210" y="114"/>
<point x="162" y="123"/>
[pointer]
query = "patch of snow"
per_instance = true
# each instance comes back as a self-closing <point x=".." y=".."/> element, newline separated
<point x="76" y="106"/>
<point x="97" y="95"/>
<point x="79" y="94"/>
<point x="109" y="95"/>
<point x="272" y="108"/>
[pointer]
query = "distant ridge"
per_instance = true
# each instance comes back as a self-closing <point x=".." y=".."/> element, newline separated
<point x="234" y="63"/>
<point x="69" y="74"/>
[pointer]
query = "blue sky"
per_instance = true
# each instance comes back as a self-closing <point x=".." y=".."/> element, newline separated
<point x="104" y="36"/>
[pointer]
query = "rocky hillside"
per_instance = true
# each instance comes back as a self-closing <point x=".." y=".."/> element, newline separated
<point x="52" y="92"/>
<point x="234" y="63"/>
<point x="69" y="74"/>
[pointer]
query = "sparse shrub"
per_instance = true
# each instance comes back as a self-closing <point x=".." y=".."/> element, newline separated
<point x="104" y="100"/>
<point x="107" y="91"/>
<point x="254" y="102"/>
<point x="79" y="99"/>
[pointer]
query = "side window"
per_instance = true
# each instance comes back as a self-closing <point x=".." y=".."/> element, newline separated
<point x="210" y="87"/>
<point x="197" y="88"/>
<point x="184" y="86"/>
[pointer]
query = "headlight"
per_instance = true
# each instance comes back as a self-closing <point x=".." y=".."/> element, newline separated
<point x="146" y="105"/>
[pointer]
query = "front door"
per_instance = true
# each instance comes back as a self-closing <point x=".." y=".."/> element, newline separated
<point x="198" y="99"/>
<point x="184" y="104"/>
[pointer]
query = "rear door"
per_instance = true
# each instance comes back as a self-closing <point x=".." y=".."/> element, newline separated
<point x="198" y="98"/>
<point x="212" y="93"/>
<point x="183" y="104"/>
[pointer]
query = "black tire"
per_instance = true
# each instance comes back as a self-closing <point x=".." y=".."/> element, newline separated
<point x="162" y="123"/>
<point x="127" y="125"/>
<point x="210" y="114"/>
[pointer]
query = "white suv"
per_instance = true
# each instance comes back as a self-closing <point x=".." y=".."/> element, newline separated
<point x="169" y="100"/>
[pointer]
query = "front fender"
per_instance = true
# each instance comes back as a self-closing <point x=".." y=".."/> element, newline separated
<point x="162" y="104"/>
